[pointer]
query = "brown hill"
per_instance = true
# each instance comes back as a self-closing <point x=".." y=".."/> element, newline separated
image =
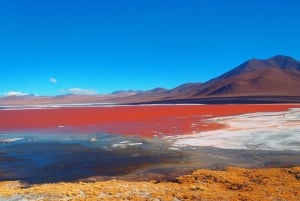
<point x="143" y="96"/>
<point x="277" y="76"/>
<point x="276" y="80"/>
<point x="61" y="99"/>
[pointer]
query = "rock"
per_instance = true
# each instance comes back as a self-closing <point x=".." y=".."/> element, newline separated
<point x="14" y="198"/>
<point x="176" y="199"/>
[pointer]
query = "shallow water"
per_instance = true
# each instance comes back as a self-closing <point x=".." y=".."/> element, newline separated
<point x="39" y="158"/>
<point x="42" y="158"/>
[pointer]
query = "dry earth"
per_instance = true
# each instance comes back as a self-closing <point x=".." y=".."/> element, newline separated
<point x="272" y="184"/>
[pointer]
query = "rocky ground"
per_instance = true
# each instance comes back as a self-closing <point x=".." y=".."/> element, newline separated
<point x="274" y="184"/>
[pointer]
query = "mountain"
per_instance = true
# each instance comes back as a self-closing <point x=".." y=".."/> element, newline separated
<point x="155" y="94"/>
<point x="277" y="76"/>
<point x="61" y="99"/>
<point x="185" y="89"/>
<point x="125" y="92"/>
<point x="276" y="79"/>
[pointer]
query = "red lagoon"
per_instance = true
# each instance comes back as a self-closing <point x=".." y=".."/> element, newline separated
<point x="146" y="120"/>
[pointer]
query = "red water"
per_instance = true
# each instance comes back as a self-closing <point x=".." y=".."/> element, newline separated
<point x="131" y="120"/>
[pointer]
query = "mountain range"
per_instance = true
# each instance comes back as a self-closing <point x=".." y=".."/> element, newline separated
<point x="276" y="79"/>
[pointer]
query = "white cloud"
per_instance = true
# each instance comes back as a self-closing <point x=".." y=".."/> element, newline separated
<point x="80" y="91"/>
<point x="15" y="93"/>
<point x="53" y="80"/>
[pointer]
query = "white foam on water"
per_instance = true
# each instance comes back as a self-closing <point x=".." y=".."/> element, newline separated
<point x="276" y="131"/>
<point x="135" y="144"/>
<point x="9" y="140"/>
<point x="174" y="148"/>
<point x="93" y="139"/>
<point x="124" y="144"/>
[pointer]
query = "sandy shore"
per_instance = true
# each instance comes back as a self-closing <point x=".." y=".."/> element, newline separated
<point x="233" y="184"/>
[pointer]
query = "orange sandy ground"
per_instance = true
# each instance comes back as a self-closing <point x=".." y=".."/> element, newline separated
<point x="233" y="184"/>
<point x="131" y="120"/>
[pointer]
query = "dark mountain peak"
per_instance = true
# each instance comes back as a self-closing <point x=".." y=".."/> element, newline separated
<point x="246" y="67"/>
<point x="281" y="58"/>
<point x="153" y="93"/>
<point x="186" y="87"/>
<point x="280" y="61"/>
<point x="252" y="65"/>
<point x="158" y="90"/>
<point x="284" y="62"/>
<point x="189" y="84"/>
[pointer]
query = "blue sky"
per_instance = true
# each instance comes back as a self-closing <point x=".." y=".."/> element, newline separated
<point x="103" y="46"/>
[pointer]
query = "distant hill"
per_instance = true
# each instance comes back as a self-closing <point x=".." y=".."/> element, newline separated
<point x="276" y="79"/>
<point x="277" y="76"/>
<point x="60" y="99"/>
